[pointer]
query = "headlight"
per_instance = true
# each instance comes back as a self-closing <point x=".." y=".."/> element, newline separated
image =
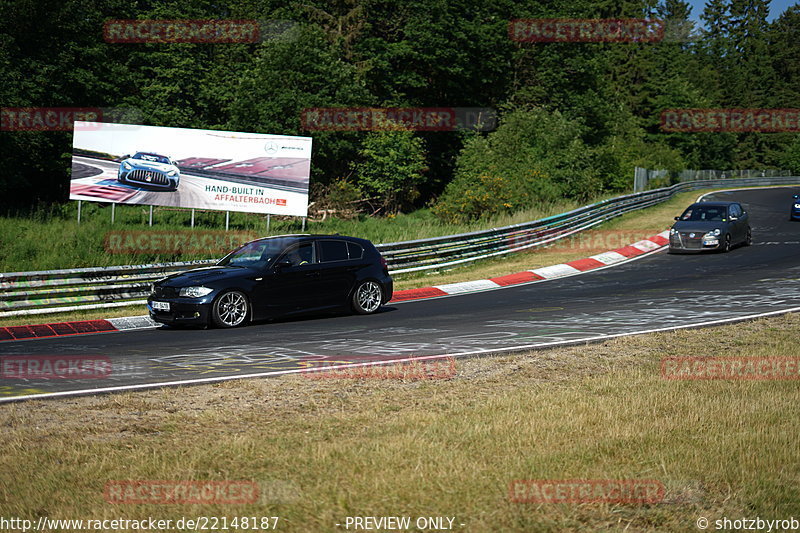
<point x="195" y="292"/>
<point x="715" y="232"/>
<point x="673" y="231"/>
<point x="172" y="173"/>
<point x="126" y="165"/>
<point x="797" y="206"/>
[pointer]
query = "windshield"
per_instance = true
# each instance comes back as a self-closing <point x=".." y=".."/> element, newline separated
<point x="154" y="158"/>
<point x="256" y="254"/>
<point x="705" y="212"/>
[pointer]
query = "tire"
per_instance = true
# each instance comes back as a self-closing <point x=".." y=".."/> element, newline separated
<point x="367" y="298"/>
<point x="230" y="309"/>
<point x="726" y="247"/>
<point x="748" y="240"/>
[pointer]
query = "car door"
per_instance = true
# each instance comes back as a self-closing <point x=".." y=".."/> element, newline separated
<point x="337" y="270"/>
<point x="738" y="222"/>
<point x="291" y="283"/>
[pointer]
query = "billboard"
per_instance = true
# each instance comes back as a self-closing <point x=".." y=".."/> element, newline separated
<point x="192" y="168"/>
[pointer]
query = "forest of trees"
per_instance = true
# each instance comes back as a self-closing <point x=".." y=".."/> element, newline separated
<point x="574" y="118"/>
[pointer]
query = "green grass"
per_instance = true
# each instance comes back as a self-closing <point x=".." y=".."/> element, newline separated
<point x="52" y="238"/>
<point x="325" y="449"/>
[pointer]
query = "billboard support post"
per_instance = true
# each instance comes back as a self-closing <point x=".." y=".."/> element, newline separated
<point x="79" y="211"/>
<point x="113" y="206"/>
<point x="192" y="218"/>
<point x="227" y="219"/>
<point x="268" y="222"/>
<point x="304" y="223"/>
<point x="151" y="215"/>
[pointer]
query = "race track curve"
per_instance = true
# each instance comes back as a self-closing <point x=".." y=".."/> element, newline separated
<point x="657" y="291"/>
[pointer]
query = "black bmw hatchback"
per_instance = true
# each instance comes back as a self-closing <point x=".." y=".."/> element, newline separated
<point x="276" y="276"/>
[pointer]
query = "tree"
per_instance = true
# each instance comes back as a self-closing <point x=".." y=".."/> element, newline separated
<point x="390" y="167"/>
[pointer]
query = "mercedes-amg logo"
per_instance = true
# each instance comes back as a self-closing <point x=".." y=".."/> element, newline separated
<point x="271" y="147"/>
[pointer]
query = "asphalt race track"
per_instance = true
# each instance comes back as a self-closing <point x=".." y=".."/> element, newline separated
<point x="658" y="291"/>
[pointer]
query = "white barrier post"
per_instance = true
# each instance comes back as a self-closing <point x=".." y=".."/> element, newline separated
<point x="268" y="222"/>
<point x="79" y="212"/>
<point x="151" y="215"/>
<point x="192" y="218"/>
<point x="113" y="205"/>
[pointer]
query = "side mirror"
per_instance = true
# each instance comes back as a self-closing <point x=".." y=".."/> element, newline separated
<point x="283" y="263"/>
<point x="677" y="218"/>
<point x="733" y="217"/>
<point x="796" y="196"/>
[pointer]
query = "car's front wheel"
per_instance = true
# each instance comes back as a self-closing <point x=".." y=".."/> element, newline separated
<point x="726" y="244"/>
<point x="748" y="239"/>
<point x="367" y="297"/>
<point x="230" y="309"/>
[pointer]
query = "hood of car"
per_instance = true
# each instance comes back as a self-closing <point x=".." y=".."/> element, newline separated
<point x="149" y="165"/>
<point x="205" y="276"/>
<point x="699" y="226"/>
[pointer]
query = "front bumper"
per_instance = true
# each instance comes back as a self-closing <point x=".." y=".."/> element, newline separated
<point x="795" y="214"/>
<point x="682" y="243"/>
<point x="181" y="311"/>
<point x="149" y="178"/>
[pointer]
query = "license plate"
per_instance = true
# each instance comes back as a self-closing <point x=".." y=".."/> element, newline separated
<point x="161" y="306"/>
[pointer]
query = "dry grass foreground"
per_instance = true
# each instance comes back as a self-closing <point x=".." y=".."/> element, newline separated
<point x="322" y="450"/>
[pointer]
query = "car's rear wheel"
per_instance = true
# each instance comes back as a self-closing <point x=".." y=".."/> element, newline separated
<point x="726" y="244"/>
<point x="367" y="297"/>
<point x="230" y="309"/>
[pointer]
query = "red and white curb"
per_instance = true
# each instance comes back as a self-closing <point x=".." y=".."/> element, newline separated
<point x="571" y="268"/>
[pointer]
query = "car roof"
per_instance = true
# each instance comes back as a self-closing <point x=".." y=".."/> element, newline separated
<point x="311" y="236"/>
<point x="713" y="204"/>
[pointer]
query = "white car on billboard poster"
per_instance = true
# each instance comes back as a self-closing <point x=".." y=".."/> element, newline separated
<point x="150" y="169"/>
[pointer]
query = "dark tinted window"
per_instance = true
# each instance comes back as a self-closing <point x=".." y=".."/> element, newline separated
<point x="355" y="250"/>
<point x="256" y="254"/>
<point x="302" y="254"/>
<point x="333" y="251"/>
<point x="704" y="212"/>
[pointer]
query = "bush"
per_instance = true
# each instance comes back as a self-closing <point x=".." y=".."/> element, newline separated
<point x="391" y="164"/>
<point x="534" y="157"/>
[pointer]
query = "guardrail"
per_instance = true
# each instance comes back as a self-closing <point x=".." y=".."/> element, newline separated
<point x="25" y="293"/>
